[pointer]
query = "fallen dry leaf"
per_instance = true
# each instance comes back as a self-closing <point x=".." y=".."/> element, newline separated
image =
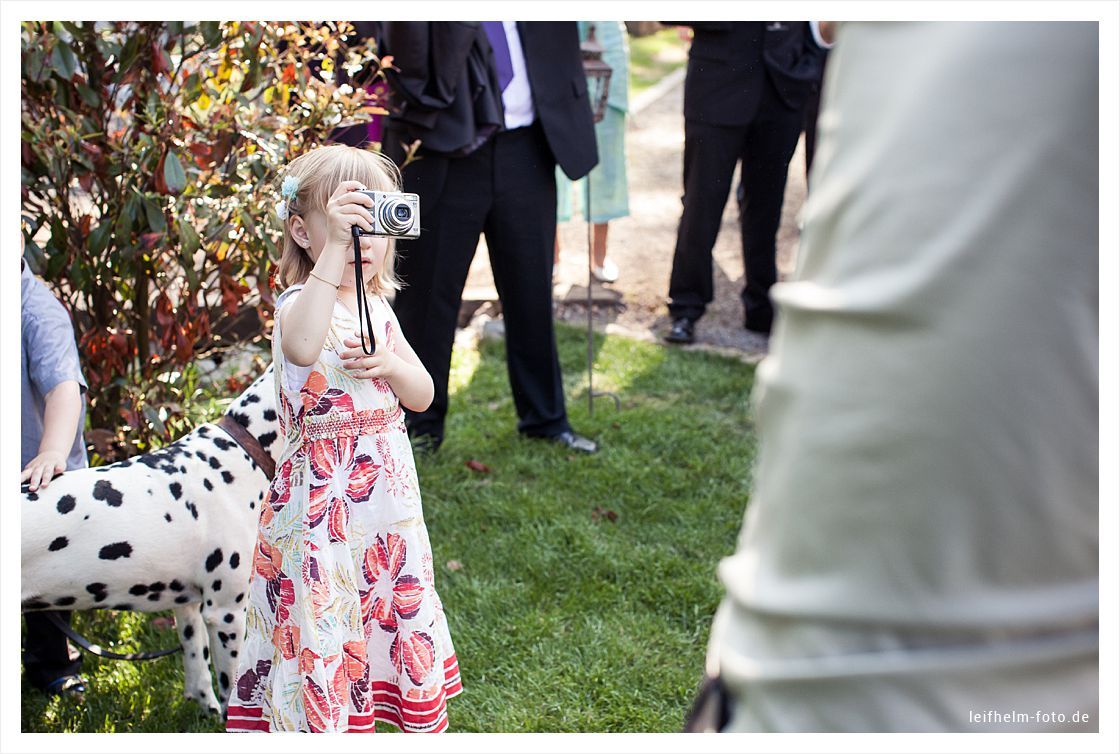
<point x="600" y="513"/>
<point x="478" y="466"/>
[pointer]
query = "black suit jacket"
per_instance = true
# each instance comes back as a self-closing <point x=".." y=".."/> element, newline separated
<point x="731" y="61"/>
<point x="446" y="92"/>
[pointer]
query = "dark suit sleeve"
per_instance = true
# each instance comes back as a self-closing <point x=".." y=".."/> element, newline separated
<point x="431" y="58"/>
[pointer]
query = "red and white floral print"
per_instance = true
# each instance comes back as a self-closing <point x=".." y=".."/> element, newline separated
<point x="345" y="627"/>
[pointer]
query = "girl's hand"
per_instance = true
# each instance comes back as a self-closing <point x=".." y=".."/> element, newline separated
<point x="42" y="468"/>
<point x="345" y="209"/>
<point x="383" y="364"/>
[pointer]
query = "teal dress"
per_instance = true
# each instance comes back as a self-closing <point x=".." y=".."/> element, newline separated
<point x="610" y="198"/>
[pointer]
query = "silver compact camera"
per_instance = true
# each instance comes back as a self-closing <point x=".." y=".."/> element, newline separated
<point x="394" y="214"/>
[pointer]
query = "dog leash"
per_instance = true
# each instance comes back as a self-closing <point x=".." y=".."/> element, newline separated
<point x="95" y="649"/>
<point x="249" y="444"/>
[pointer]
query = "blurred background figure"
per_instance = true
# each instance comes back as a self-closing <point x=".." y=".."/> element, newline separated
<point x="921" y="549"/>
<point x="610" y="197"/>
<point x="496" y="106"/>
<point x="744" y="97"/>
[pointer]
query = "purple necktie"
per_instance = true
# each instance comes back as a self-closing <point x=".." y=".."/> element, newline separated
<point x="497" y="34"/>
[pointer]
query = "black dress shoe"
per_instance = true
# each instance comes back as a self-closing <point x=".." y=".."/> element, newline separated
<point x="682" y="331"/>
<point x="572" y="441"/>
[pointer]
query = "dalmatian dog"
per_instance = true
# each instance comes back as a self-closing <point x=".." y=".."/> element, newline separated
<point x="174" y="529"/>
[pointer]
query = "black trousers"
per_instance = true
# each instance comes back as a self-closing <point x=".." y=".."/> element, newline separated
<point x="764" y="146"/>
<point x="507" y="190"/>
<point x="46" y="652"/>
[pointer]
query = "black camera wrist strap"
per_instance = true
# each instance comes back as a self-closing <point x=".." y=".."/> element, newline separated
<point x="365" y="330"/>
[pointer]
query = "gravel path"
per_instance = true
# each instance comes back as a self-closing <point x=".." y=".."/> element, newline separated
<point x="642" y="245"/>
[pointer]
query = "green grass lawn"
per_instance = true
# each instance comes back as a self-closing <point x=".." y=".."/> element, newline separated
<point x="565" y="618"/>
<point x="653" y="57"/>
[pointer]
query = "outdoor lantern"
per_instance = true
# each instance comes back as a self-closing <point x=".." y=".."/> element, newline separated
<point x="598" y="73"/>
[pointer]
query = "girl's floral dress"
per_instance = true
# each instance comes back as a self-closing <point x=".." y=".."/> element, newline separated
<point x="344" y="626"/>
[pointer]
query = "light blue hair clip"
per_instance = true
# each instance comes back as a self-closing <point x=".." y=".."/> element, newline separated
<point x="289" y="187"/>
<point x="288" y="191"/>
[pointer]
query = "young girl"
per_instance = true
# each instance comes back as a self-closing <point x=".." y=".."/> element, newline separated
<point x="343" y="626"/>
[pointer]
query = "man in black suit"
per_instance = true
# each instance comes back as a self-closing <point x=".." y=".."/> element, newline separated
<point x="496" y="106"/>
<point x="744" y="92"/>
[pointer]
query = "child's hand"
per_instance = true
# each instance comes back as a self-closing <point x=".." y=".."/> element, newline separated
<point x="384" y="363"/>
<point x="347" y="208"/>
<point x="42" y="468"/>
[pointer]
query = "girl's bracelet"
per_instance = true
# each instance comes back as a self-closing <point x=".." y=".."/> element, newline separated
<point x="317" y="277"/>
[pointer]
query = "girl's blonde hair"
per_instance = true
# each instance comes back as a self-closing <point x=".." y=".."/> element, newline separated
<point x="319" y="172"/>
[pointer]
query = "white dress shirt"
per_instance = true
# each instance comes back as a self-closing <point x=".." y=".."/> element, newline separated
<point x="517" y="99"/>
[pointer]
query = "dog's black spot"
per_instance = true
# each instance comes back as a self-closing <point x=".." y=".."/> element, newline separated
<point x="66" y="504"/>
<point x="125" y="463"/>
<point x="240" y="418"/>
<point x="234" y="560"/>
<point x="98" y="590"/>
<point x="203" y="431"/>
<point x="223" y="637"/>
<point x="182" y="598"/>
<point x="32" y="496"/>
<point x="213" y="560"/>
<point x="122" y="606"/>
<point x="209" y="603"/>
<point x="168" y="517"/>
<point x="233" y="653"/>
<point x="154" y="597"/>
<point x="177" y="586"/>
<point x="188" y="632"/>
<point x="269" y="415"/>
<point x="224" y="680"/>
<point x="176" y="490"/>
<point x="34" y="604"/>
<point x="138" y="589"/>
<point x="193" y="509"/>
<point x="223" y="443"/>
<point x="115" y="550"/>
<point x="104" y="490"/>
<point x="157" y="586"/>
<point x="193" y="654"/>
<point x="170" y="468"/>
<point x="215" y="463"/>
<point x="58" y="544"/>
<point x="64" y="601"/>
<point x="85" y="518"/>
<point x="182" y="469"/>
<point x="267" y="439"/>
<point x="227" y="477"/>
<point x="228" y="618"/>
<point x="206" y="653"/>
<point x="252" y="398"/>
<point x="201" y="456"/>
<point x="252" y="506"/>
<point x="240" y="597"/>
<point x="217" y="585"/>
<point x="207" y="484"/>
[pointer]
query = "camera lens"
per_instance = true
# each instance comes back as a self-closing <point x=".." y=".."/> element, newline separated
<point x="396" y="216"/>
